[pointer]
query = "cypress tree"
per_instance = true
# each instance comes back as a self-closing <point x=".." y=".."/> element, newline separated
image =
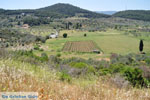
<point x="141" y="46"/>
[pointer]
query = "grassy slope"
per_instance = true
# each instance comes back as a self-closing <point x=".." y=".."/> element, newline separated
<point x="110" y="42"/>
<point x="19" y="76"/>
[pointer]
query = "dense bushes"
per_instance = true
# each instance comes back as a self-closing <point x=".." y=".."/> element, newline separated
<point x="14" y="37"/>
<point x="130" y="59"/>
<point x="65" y="77"/>
<point x="78" y="65"/>
<point x="129" y="67"/>
<point x="82" y="65"/>
<point x="32" y="21"/>
<point x="133" y="75"/>
<point x="36" y="47"/>
<point x="43" y="57"/>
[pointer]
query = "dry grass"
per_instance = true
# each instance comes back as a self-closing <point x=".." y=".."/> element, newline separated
<point x="14" y="78"/>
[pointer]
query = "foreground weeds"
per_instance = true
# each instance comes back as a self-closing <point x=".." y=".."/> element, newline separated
<point x="17" y="76"/>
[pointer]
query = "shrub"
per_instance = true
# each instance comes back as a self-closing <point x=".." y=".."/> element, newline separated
<point x="147" y="60"/>
<point x="65" y="35"/>
<point x="29" y="54"/>
<point x="85" y="35"/>
<point x="54" y="59"/>
<point x="146" y="71"/>
<point x="104" y="71"/>
<point x="39" y="38"/>
<point x="65" y="77"/>
<point x="44" y="57"/>
<point x="58" y="55"/>
<point x="81" y="65"/>
<point x="36" y="47"/>
<point x="134" y="75"/>
<point x="7" y="45"/>
<point x="116" y="68"/>
<point x="41" y="49"/>
<point x="78" y="65"/>
<point x="43" y="40"/>
<point x="91" y="69"/>
<point x="47" y="37"/>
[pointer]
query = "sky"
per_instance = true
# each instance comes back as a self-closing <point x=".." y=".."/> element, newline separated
<point x="93" y="5"/>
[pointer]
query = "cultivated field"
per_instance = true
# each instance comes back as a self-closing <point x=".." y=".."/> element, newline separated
<point x="80" y="46"/>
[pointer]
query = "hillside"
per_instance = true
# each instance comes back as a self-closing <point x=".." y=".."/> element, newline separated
<point x="67" y="10"/>
<point x="134" y="14"/>
<point x="59" y="10"/>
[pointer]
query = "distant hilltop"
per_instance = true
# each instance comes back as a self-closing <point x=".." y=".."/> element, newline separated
<point x="107" y="12"/>
<point x="59" y="10"/>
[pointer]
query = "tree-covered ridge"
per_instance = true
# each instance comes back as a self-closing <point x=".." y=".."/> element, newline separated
<point x="56" y="11"/>
<point x="70" y="11"/>
<point x="16" y="12"/>
<point x="134" y="14"/>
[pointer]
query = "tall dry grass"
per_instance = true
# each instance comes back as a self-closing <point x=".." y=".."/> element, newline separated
<point x="15" y="78"/>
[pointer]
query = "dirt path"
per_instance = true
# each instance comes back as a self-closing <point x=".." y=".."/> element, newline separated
<point x="106" y="59"/>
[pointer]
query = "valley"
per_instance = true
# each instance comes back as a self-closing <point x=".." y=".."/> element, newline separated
<point x="64" y="52"/>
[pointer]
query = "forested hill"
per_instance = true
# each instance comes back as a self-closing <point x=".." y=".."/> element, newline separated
<point x="59" y="10"/>
<point x="134" y="14"/>
<point x="70" y="11"/>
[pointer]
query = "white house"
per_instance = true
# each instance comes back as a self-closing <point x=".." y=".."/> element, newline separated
<point x="54" y="35"/>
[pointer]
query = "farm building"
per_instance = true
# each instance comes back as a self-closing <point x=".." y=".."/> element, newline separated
<point x="53" y="35"/>
<point x="23" y="14"/>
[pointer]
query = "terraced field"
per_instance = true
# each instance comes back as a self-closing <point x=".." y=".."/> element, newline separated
<point x="80" y="46"/>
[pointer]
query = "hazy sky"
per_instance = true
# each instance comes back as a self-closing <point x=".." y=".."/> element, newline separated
<point x="94" y="5"/>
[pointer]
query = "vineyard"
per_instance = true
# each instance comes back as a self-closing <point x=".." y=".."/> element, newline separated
<point x="80" y="46"/>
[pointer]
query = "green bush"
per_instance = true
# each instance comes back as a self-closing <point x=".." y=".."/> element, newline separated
<point x="41" y="49"/>
<point x="44" y="57"/>
<point x="132" y="74"/>
<point x="82" y="65"/>
<point x="36" y="47"/>
<point x="104" y="71"/>
<point x="78" y="65"/>
<point x="39" y="38"/>
<point x="147" y="60"/>
<point x="116" y="68"/>
<point x="91" y="69"/>
<point x="65" y="77"/>
<point x="58" y="55"/>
